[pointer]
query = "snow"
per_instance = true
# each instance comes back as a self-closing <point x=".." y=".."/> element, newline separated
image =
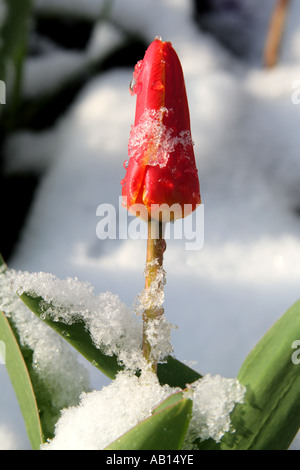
<point x="213" y="398"/>
<point x="153" y="296"/>
<point x="128" y="400"/>
<point x="157" y="330"/>
<point x="48" y="73"/>
<point x="245" y="130"/>
<point x="124" y="402"/>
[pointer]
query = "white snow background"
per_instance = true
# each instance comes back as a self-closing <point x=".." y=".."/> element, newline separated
<point x="224" y="297"/>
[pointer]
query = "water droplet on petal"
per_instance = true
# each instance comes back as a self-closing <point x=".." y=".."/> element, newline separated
<point x="131" y="85"/>
<point x="158" y="38"/>
<point x="123" y="182"/>
<point x="138" y="88"/>
<point x="134" y="87"/>
<point x="157" y="85"/>
<point x="137" y="70"/>
<point x="125" y="164"/>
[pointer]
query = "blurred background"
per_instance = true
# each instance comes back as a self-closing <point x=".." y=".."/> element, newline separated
<point x="65" y="117"/>
<point x="51" y="49"/>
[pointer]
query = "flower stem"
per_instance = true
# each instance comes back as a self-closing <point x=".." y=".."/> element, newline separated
<point x="275" y="33"/>
<point x="154" y="282"/>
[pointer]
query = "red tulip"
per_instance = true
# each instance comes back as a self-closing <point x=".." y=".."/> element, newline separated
<point x="161" y="168"/>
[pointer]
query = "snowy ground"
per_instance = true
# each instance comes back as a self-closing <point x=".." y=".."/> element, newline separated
<point x="245" y="127"/>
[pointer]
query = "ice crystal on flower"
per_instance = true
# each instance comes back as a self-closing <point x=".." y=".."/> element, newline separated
<point x="152" y="140"/>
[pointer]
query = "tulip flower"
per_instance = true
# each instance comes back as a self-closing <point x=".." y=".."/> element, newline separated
<point x="161" y="168"/>
<point x="161" y="182"/>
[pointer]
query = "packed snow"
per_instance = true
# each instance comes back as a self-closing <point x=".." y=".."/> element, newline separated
<point x="245" y="130"/>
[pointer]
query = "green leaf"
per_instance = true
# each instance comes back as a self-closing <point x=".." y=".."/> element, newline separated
<point x="49" y="413"/>
<point x="170" y="401"/>
<point x="13" y="45"/>
<point x="173" y="372"/>
<point x="270" y="417"/>
<point x="176" y="374"/>
<point x="77" y="335"/>
<point x="164" y="430"/>
<point x="21" y="382"/>
<point x="2" y="262"/>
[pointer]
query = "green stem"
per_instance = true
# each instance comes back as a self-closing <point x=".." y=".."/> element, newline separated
<point x="156" y="246"/>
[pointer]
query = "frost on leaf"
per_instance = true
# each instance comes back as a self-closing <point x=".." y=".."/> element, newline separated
<point x="214" y="398"/>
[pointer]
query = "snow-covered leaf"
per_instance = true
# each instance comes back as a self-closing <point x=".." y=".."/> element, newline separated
<point x="78" y="336"/>
<point x="164" y="430"/>
<point x="172" y="372"/>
